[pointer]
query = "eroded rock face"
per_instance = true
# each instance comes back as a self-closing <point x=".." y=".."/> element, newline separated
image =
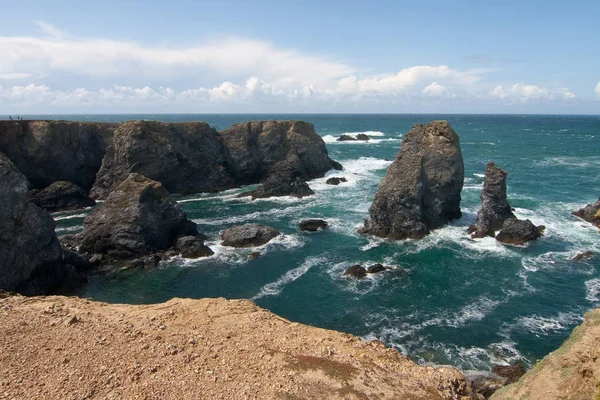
<point x="184" y="157"/>
<point x="30" y="254"/>
<point x="518" y="232"/>
<point x="137" y="219"/>
<point x="193" y="247"/>
<point x="421" y="189"/>
<point x="248" y="235"/>
<point x="590" y="213"/>
<point x="50" y="151"/>
<point x="60" y="196"/>
<point x="494" y="203"/>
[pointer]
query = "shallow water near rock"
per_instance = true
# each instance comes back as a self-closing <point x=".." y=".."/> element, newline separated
<point x="468" y="303"/>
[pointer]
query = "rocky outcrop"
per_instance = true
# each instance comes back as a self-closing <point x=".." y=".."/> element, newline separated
<point x="518" y="232"/>
<point x="582" y="256"/>
<point x="138" y="218"/>
<point x="184" y="157"/>
<point x="52" y="151"/>
<point x="375" y="268"/>
<point x="494" y="203"/>
<point x="193" y="247"/>
<point x="205" y="348"/>
<point x="356" y="271"/>
<point x="421" y="189"/>
<point x="30" y="254"/>
<point x="312" y="225"/>
<point x="571" y="372"/>
<point x="360" y="136"/>
<point x="60" y="196"/>
<point x="590" y="213"/>
<point x="248" y="235"/>
<point x="335" y="180"/>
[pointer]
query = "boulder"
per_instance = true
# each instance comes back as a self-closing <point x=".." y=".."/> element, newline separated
<point x="494" y="203"/>
<point x="248" y="235"/>
<point x="36" y="146"/>
<point x="421" y="189"/>
<point x="518" y="232"/>
<point x="335" y="180"/>
<point x="512" y="372"/>
<point x="184" y="157"/>
<point x="484" y="383"/>
<point x="362" y="136"/>
<point x="375" y="268"/>
<point x="583" y="255"/>
<point x="590" y="213"/>
<point x="356" y="271"/>
<point x="60" y="196"/>
<point x="30" y="254"/>
<point x="344" y="138"/>
<point x="138" y="218"/>
<point x="193" y="247"/>
<point x="312" y="225"/>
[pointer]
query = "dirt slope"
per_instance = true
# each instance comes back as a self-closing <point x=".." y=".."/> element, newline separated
<point x="71" y="348"/>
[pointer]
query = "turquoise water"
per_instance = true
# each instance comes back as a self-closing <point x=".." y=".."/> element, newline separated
<point x="455" y="301"/>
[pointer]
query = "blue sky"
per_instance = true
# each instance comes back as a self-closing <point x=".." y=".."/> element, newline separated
<point x="303" y="56"/>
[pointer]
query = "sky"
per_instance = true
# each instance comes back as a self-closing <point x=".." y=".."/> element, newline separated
<point x="304" y="56"/>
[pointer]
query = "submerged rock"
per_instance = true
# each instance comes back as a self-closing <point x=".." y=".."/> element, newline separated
<point x="518" y="232"/>
<point x="186" y="157"/>
<point x="494" y="203"/>
<point x="193" y="247"/>
<point x="60" y="196"/>
<point x="138" y="218"/>
<point x="356" y="271"/>
<point x="360" y="136"/>
<point x="583" y="255"/>
<point x="30" y="254"/>
<point x="248" y="235"/>
<point x="590" y="213"/>
<point x="421" y="189"/>
<point x="376" y="268"/>
<point x="335" y="180"/>
<point x="313" y="225"/>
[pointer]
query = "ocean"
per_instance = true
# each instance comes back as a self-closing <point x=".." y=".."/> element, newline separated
<point x="452" y="300"/>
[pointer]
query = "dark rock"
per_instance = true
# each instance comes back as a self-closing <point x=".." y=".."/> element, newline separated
<point x="80" y="262"/>
<point x="362" y="136"/>
<point x="343" y="138"/>
<point x="60" y="196"/>
<point x="421" y="189"/>
<point x="511" y="372"/>
<point x="590" y="213"/>
<point x="375" y="268"/>
<point x="248" y="235"/>
<point x="254" y="255"/>
<point x="193" y="247"/>
<point x="146" y="262"/>
<point x="36" y="146"/>
<point x="581" y="256"/>
<point x="335" y="180"/>
<point x="356" y="271"/>
<point x="485" y="384"/>
<point x="494" y="203"/>
<point x="336" y="165"/>
<point x="69" y="241"/>
<point x="312" y="225"/>
<point x="30" y="254"/>
<point x="184" y="157"/>
<point x="518" y="232"/>
<point x="137" y="219"/>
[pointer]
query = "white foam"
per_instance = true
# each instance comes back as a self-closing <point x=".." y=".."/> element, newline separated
<point x="274" y="288"/>
<point x="479" y="175"/>
<point x="70" y="217"/>
<point x="570" y="161"/>
<point x="368" y="133"/>
<point x="330" y="139"/>
<point x="545" y="325"/>
<point x="592" y="288"/>
<point x="272" y="214"/>
<point x="69" y="228"/>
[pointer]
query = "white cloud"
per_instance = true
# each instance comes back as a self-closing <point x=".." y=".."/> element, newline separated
<point x="597" y="90"/>
<point x="520" y="92"/>
<point x="49" y="29"/>
<point x="434" y="89"/>
<point x="13" y="75"/>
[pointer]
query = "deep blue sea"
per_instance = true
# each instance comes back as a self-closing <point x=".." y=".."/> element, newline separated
<point x="468" y="303"/>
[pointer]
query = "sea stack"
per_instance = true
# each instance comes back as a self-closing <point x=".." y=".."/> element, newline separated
<point x="590" y="213"/>
<point x="494" y="203"/>
<point x="421" y="189"/>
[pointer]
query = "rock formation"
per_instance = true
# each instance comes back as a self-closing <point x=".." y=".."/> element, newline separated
<point x="248" y="235"/>
<point x="184" y="157"/>
<point x="356" y="271"/>
<point x="193" y="247"/>
<point x="590" y="213"/>
<point x="138" y="218"/>
<point x="494" y="204"/>
<point x="375" y="268"/>
<point x="51" y="151"/>
<point x="335" y="180"/>
<point x="312" y="225"/>
<point x="518" y="232"/>
<point x="421" y="189"/>
<point x="360" y="136"/>
<point x="60" y="196"/>
<point x="30" y="254"/>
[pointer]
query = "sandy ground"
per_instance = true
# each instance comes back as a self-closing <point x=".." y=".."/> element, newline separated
<point x="71" y="348"/>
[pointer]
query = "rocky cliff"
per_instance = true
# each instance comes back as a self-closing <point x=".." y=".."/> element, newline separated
<point x="190" y="349"/>
<point x="421" y="189"/>
<point x="51" y="151"/>
<point x="571" y="372"/>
